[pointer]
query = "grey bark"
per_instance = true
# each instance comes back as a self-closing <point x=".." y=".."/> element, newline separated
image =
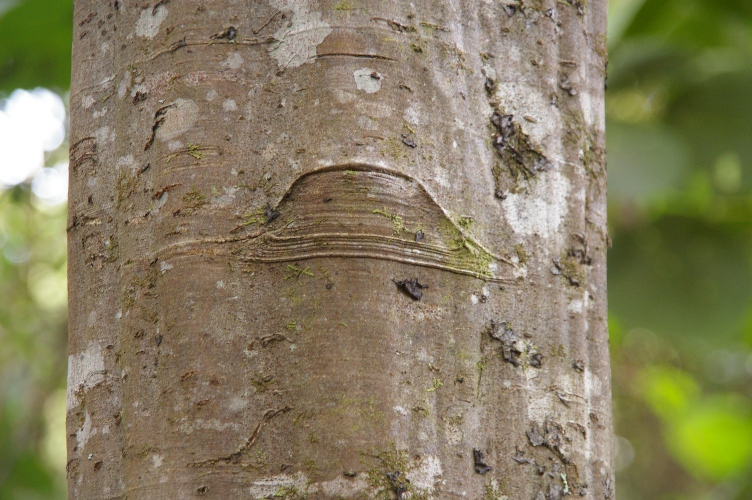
<point x="338" y="249"/>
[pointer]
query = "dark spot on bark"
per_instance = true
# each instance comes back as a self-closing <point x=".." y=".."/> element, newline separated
<point x="328" y="199"/>
<point x="419" y="235"/>
<point x="159" y="118"/>
<point x="350" y="473"/>
<point x="270" y="213"/>
<point x="229" y="33"/>
<point x="480" y="466"/>
<point x="503" y="333"/>
<point x="399" y="486"/>
<point x="509" y="8"/>
<point x="139" y="96"/>
<point x="411" y="287"/>
<point x="550" y="435"/>
<point x="490" y="85"/>
<point x="97" y="465"/>
<point x="157" y="5"/>
<point x="535" y="360"/>
<point x="407" y="141"/>
<point x="178" y="45"/>
<point x="201" y="490"/>
<point x="578" y="365"/>
<point x="158" y="340"/>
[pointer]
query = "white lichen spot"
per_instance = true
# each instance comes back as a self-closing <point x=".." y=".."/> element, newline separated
<point x="575" y="306"/>
<point x="85" y="432"/>
<point x="540" y="210"/>
<point x="164" y="266"/>
<point x="85" y="370"/>
<point x="519" y="272"/>
<point x="489" y="71"/>
<point x="229" y="105"/>
<point x="368" y="123"/>
<point x="453" y="432"/>
<point x="343" y="96"/>
<point x="124" y="84"/>
<point x="213" y="424"/>
<point x="233" y="61"/>
<point x="270" y="152"/>
<point x="87" y="102"/>
<point x="367" y="80"/>
<point x="104" y="135"/>
<point x="474" y="299"/>
<point x="340" y="487"/>
<point x="91" y="319"/>
<point x="540" y="404"/>
<point x="211" y="95"/>
<point x="297" y="40"/>
<point x="125" y="162"/>
<point x="237" y="404"/>
<point x="148" y="24"/>
<point x="227" y="197"/>
<point x="593" y="384"/>
<point x="181" y="114"/>
<point x="521" y="99"/>
<point x="271" y="486"/>
<point x="374" y="109"/>
<point x="157" y="461"/>
<point x="414" y="114"/>
<point x="173" y="146"/>
<point x="424" y="476"/>
<point x="118" y="315"/>
<point x="220" y="284"/>
<point x="402" y="411"/>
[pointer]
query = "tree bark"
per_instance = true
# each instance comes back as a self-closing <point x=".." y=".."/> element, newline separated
<point x="338" y="249"/>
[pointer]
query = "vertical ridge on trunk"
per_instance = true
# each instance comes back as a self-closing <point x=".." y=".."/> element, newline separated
<point x="338" y="249"/>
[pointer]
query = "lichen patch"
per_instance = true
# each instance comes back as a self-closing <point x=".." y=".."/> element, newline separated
<point x="85" y="370"/>
<point x="297" y="41"/>
<point x="279" y="486"/>
<point x="233" y="61"/>
<point x="367" y="80"/>
<point x="148" y="24"/>
<point x="540" y="210"/>
<point x="179" y="118"/>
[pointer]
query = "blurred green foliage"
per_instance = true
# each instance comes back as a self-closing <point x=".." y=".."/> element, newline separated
<point x="35" y="44"/>
<point x="33" y="347"/>
<point x="679" y="136"/>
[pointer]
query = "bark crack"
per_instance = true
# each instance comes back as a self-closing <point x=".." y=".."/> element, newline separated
<point x="234" y="457"/>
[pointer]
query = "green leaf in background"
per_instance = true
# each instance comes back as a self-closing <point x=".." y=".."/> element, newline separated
<point x="35" y="44"/>
<point x="716" y="118"/>
<point x="668" y="391"/>
<point x="644" y="162"/>
<point x="683" y="277"/>
<point x="714" y="439"/>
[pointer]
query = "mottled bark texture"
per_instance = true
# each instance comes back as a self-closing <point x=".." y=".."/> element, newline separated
<point x="338" y="249"/>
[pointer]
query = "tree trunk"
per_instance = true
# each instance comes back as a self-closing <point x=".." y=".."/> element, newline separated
<point x="338" y="249"/>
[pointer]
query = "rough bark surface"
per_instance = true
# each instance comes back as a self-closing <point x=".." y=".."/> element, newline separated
<point x="338" y="249"/>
